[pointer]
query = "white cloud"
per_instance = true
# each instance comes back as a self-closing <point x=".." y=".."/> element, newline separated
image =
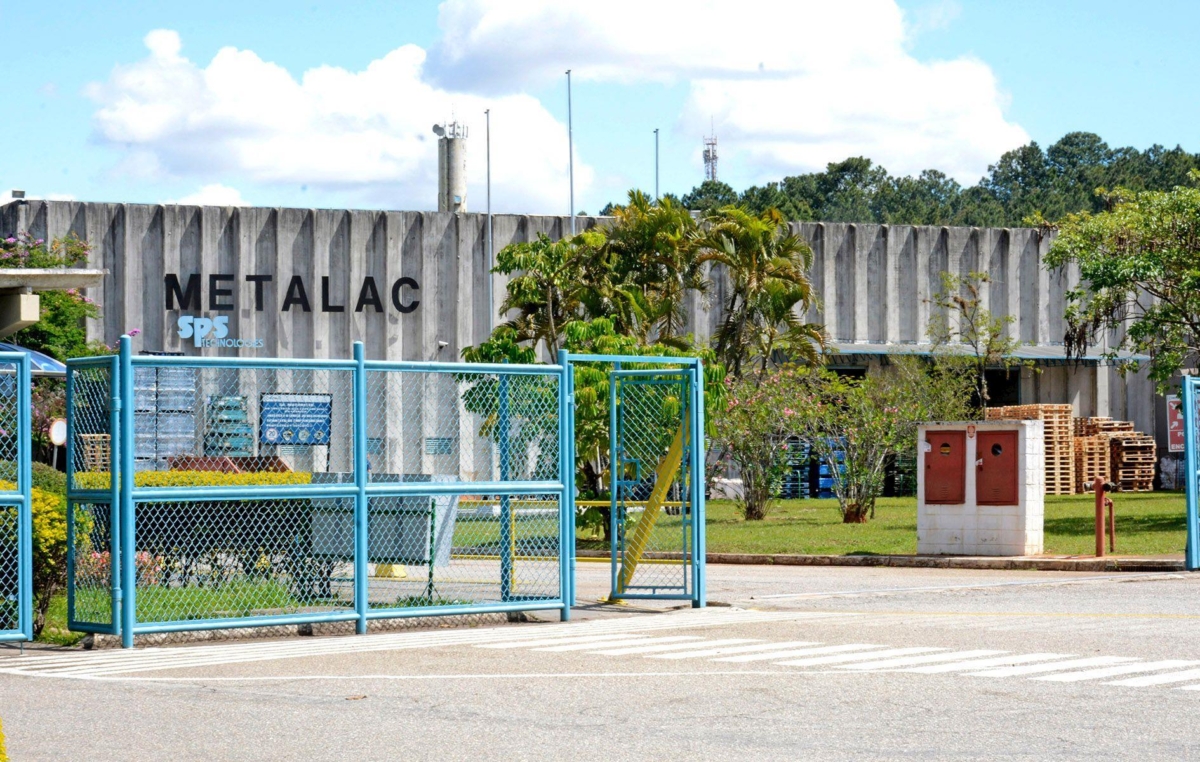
<point x="214" y="194"/>
<point x="367" y="133"/>
<point x="788" y="86"/>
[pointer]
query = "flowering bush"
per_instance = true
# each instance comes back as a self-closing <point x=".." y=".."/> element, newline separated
<point x="854" y="425"/>
<point x="61" y="332"/>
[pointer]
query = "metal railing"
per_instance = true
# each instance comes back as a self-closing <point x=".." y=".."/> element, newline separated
<point x="1191" y="439"/>
<point x="16" y="515"/>
<point x="247" y="492"/>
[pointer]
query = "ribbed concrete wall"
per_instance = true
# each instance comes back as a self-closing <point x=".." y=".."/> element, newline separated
<point x="873" y="280"/>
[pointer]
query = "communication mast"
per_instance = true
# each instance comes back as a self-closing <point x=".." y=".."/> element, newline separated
<point x="710" y="158"/>
<point x="452" y="166"/>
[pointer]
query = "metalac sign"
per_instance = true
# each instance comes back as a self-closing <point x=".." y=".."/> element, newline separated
<point x="295" y="419"/>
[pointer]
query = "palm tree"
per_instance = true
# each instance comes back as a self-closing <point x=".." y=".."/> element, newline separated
<point x="768" y="267"/>
<point x="653" y="248"/>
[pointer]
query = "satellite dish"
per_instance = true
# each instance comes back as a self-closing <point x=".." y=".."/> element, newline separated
<point x="439" y="130"/>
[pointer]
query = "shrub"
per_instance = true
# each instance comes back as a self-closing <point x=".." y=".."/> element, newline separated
<point x="100" y="479"/>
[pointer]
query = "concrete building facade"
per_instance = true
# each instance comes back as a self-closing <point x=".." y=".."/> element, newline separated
<point x="413" y="286"/>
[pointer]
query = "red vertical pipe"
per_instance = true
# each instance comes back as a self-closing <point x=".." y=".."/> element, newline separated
<point x="1098" y="488"/>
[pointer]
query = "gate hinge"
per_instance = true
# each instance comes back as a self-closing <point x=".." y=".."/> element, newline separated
<point x="116" y="403"/>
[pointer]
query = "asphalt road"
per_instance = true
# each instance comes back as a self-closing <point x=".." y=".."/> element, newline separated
<point x="799" y="662"/>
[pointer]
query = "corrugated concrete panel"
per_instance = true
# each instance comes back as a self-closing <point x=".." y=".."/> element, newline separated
<point x="333" y="278"/>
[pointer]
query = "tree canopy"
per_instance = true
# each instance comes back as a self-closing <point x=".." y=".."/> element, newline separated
<point x="1139" y="267"/>
<point x="1026" y="182"/>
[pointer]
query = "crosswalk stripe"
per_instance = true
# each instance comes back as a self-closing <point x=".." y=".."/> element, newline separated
<point x="999" y="661"/>
<point x="1125" y="669"/>
<point x="1031" y="669"/>
<point x="843" y="658"/>
<point x="774" y="655"/>
<point x="649" y="649"/>
<point x="641" y="639"/>
<point x="914" y="660"/>
<point x="731" y="650"/>
<point x="1148" y="680"/>
<point x="597" y="639"/>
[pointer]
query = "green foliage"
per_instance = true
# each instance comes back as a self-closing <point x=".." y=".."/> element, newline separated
<point x="1053" y="182"/>
<point x="61" y="331"/>
<point x="1139" y="266"/>
<point x="854" y="425"/>
<point x="961" y="324"/>
<point x="709" y="195"/>
<point x="49" y="511"/>
<point x="767" y="265"/>
<point x="100" y="479"/>
<point x="49" y="479"/>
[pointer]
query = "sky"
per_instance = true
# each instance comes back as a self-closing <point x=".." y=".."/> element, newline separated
<point x="330" y="104"/>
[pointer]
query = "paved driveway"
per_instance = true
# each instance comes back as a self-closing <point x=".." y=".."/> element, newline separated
<point x="803" y="662"/>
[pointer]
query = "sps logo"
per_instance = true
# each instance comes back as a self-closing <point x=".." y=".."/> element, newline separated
<point x="198" y="329"/>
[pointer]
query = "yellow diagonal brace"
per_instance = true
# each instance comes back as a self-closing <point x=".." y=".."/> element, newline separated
<point x="639" y="538"/>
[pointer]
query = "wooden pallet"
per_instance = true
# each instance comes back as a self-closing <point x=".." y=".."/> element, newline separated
<point x="1134" y="456"/>
<point x="1090" y="427"/>
<point x="1092" y="461"/>
<point x="1057" y="421"/>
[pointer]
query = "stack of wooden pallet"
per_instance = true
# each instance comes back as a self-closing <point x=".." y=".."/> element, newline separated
<point x="1099" y="426"/>
<point x="1092" y="459"/>
<point x="1060" y="446"/>
<point x="1133" y="457"/>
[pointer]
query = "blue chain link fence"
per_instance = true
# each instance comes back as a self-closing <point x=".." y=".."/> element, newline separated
<point x="269" y="492"/>
<point x="16" y="520"/>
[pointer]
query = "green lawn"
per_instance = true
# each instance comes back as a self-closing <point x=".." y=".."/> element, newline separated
<point x="1147" y="524"/>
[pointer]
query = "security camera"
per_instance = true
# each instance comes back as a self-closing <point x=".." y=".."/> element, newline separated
<point x="443" y="344"/>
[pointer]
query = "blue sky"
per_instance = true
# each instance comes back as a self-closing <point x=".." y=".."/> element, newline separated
<point x="97" y="112"/>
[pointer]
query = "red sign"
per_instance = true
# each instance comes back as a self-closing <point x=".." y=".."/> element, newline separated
<point x="1175" y="433"/>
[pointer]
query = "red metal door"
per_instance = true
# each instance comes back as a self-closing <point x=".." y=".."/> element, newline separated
<point x="996" y="468"/>
<point x="946" y="467"/>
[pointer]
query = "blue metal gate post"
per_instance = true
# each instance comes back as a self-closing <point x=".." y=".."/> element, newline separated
<point x="506" y="526"/>
<point x="566" y="505"/>
<point x="1192" y="479"/>
<point x="571" y="467"/>
<point x="699" y="451"/>
<point x="361" y="544"/>
<point x="125" y="472"/>
<point x="24" y="479"/>
<point x="613" y="480"/>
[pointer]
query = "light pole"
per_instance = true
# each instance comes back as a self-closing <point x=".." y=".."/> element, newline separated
<point x="491" y="254"/>
<point x="570" y="153"/>
<point x="655" y="165"/>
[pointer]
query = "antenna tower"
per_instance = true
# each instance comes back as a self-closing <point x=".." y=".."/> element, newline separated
<point x="710" y="157"/>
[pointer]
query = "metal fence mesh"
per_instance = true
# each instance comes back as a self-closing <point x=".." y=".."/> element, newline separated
<point x="227" y="559"/>
<point x="10" y="603"/>
<point x="197" y="423"/>
<point x="10" y="444"/>
<point x="652" y="448"/>
<point x="466" y="426"/>
<point x="92" y="577"/>
<point x="91" y="438"/>
<point x="447" y="550"/>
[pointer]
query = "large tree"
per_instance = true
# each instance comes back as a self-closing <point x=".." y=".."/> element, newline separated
<point x="1139" y="265"/>
<point x="767" y="265"/>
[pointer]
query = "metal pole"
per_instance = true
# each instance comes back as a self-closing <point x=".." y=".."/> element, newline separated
<point x="699" y="482"/>
<point x="361" y="541"/>
<point x="570" y="152"/>
<point x="1191" y="463"/>
<point x="656" y="164"/>
<point x="566" y="506"/>
<point x="125" y="472"/>
<point x="506" y="527"/>
<point x="613" y="481"/>
<point x="491" y="253"/>
<point x="24" y="484"/>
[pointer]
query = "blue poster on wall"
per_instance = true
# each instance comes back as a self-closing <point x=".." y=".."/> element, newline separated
<point x="295" y="419"/>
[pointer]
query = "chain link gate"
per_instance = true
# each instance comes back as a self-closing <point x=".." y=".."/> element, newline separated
<point x="16" y="512"/>
<point x="212" y="492"/>
<point x="655" y="474"/>
<point x="1191" y="428"/>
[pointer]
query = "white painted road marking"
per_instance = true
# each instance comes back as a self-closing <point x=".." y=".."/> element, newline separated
<point x="773" y="655"/>
<point x="641" y="639"/>
<point x="1032" y="669"/>
<point x="1173" y="677"/>
<point x="914" y="660"/>
<point x="648" y="649"/>
<point x="707" y="652"/>
<point x="999" y="661"/>
<point x="1125" y="669"/>
<point x="821" y="660"/>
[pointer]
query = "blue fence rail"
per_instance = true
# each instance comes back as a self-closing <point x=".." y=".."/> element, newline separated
<point x="16" y="520"/>
<point x="1191" y="428"/>
<point x="218" y="492"/>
